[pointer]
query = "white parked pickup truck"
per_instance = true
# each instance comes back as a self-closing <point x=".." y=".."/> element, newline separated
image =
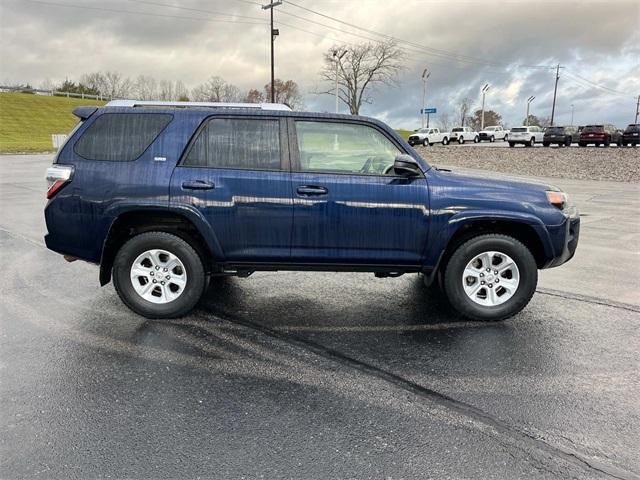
<point x="464" y="134"/>
<point x="429" y="136"/>
<point x="493" y="133"/>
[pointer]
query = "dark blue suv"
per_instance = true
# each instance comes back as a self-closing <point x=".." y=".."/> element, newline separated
<point x="164" y="196"/>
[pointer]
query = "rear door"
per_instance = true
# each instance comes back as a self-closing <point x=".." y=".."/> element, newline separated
<point x="349" y="206"/>
<point x="236" y="174"/>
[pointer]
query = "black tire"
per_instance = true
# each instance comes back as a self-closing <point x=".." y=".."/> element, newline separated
<point x="546" y="144"/>
<point x="445" y="141"/>
<point x="607" y="142"/>
<point x="476" y="139"/>
<point x="512" y="144"/>
<point x="425" y="142"/>
<point x="192" y="262"/>
<point x="582" y="144"/>
<point x="461" y="140"/>
<point x="524" y="260"/>
<point x="492" y="139"/>
<point x="567" y="142"/>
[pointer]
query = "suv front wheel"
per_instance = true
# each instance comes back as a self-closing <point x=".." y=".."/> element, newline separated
<point x="158" y="275"/>
<point x="490" y="277"/>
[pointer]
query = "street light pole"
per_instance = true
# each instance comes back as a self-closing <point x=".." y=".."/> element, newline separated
<point x="337" y="59"/>
<point x="274" y="34"/>
<point x="529" y="100"/>
<point x="425" y="74"/>
<point x="484" y="92"/>
<point x="637" y="110"/>
<point x="572" y="114"/>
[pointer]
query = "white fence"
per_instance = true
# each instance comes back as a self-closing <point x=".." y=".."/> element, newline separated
<point x="55" y="93"/>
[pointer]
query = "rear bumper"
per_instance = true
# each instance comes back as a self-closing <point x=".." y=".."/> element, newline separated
<point x="565" y="239"/>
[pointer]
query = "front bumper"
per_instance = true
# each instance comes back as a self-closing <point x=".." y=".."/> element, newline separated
<point x="566" y="236"/>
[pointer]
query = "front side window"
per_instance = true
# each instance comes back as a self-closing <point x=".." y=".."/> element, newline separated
<point x="344" y="148"/>
<point x="237" y="143"/>
<point x="120" y="137"/>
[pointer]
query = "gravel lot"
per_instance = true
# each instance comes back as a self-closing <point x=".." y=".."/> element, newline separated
<point x="616" y="164"/>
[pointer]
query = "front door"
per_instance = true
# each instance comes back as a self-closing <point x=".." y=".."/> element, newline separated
<point x="349" y="206"/>
<point x="236" y="173"/>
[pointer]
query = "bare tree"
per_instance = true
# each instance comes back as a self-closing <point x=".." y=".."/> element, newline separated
<point x="286" y="92"/>
<point x="464" y="106"/>
<point x="94" y="81"/>
<point x="361" y="67"/>
<point x="146" y="88"/>
<point x="254" y="96"/>
<point x="444" y="122"/>
<point x="115" y="85"/>
<point x="216" y="89"/>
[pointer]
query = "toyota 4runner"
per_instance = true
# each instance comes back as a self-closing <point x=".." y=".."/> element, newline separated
<point x="163" y="196"/>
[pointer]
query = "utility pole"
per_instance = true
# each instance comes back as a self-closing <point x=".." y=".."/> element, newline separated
<point x="637" y="109"/>
<point x="529" y="100"/>
<point x="274" y="33"/>
<point x="484" y="92"/>
<point x="425" y="74"/>
<point x="337" y="59"/>
<point x="555" y="91"/>
<point x="572" y="114"/>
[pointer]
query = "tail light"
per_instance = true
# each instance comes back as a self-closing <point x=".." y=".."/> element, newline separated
<point x="57" y="177"/>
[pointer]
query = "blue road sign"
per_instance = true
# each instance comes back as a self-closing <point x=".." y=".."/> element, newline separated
<point x="428" y="110"/>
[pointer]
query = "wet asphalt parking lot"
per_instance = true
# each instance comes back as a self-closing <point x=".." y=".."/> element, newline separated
<point x="308" y="375"/>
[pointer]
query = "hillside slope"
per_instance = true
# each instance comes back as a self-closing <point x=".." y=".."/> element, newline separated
<point x="27" y="121"/>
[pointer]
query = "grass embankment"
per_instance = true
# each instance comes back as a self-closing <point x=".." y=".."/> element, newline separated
<point x="27" y="121"/>
<point x="404" y="133"/>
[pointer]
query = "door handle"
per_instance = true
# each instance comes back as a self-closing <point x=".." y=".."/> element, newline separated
<point x="311" y="190"/>
<point x="197" y="185"/>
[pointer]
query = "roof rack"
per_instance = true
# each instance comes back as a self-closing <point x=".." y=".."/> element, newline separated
<point x="146" y="103"/>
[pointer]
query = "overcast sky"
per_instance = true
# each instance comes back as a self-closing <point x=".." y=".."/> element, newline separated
<point x="464" y="45"/>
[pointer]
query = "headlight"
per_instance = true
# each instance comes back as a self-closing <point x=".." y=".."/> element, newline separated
<point x="557" y="199"/>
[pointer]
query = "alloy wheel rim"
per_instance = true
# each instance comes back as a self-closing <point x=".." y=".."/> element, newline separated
<point x="158" y="276"/>
<point x="491" y="278"/>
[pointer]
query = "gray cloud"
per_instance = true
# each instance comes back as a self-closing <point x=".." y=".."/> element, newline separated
<point x="596" y="40"/>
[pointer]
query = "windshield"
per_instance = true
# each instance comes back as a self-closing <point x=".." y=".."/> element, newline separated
<point x="491" y="129"/>
<point x="423" y="130"/>
<point x="594" y="128"/>
<point x="458" y="130"/>
<point x="519" y="129"/>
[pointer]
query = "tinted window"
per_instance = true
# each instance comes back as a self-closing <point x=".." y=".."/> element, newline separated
<point x="555" y="130"/>
<point x="458" y="130"/>
<point x="344" y="148"/>
<point x="632" y="128"/>
<point x="120" y="137"/>
<point x="518" y="129"/>
<point x="243" y="143"/>
<point x="594" y="128"/>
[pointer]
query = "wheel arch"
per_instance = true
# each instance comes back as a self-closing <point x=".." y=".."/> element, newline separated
<point x="462" y="230"/>
<point x="133" y="221"/>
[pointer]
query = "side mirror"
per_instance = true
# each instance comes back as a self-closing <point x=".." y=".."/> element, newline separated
<point x="406" y="166"/>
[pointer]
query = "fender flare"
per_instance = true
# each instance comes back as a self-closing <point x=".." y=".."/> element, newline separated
<point x="440" y="242"/>
<point x="191" y="214"/>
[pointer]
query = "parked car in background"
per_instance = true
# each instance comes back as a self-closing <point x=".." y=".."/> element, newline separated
<point x="165" y="195"/>
<point x="597" y="135"/>
<point x="493" y="133"/>
<point x="561" y="136"/>
<point x="527" y="136"/>
<point x="429" y="136"/>
<point x="464" y="134"/>
<point x="631" y="135"/>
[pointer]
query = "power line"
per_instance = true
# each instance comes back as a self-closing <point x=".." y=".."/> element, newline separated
<point x="435" y="51"/>
<point x="179" y="7"/>
<point x="102" y="9"/>
<point x="601" y="87"/>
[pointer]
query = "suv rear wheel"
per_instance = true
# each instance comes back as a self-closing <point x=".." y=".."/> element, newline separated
<point x="158" y="275"/>
<point x="490" y="277"/>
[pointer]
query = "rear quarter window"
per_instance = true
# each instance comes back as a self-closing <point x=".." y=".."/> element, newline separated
<point x="120" y="137"/>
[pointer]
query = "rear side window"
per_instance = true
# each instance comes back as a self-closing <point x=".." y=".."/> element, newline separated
<point x="121" y="137"/>
<point x="238" y="143"/>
